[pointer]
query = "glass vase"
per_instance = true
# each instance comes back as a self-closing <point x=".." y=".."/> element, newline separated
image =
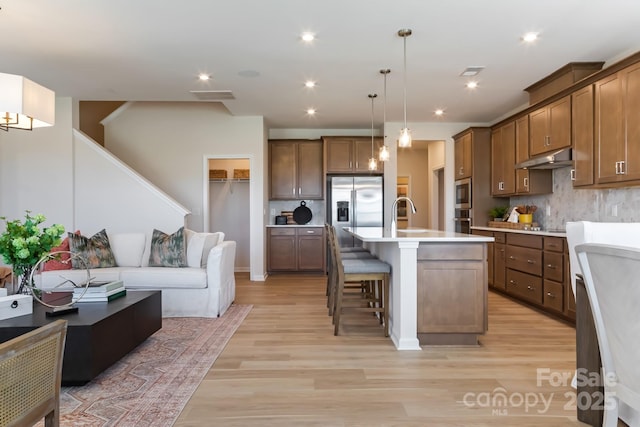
<point x="19" y="282"/>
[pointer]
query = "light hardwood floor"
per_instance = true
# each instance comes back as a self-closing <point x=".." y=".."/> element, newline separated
<point x="284" y="367"/>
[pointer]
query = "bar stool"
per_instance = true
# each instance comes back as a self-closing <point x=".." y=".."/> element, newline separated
<point x="364" y="281"/>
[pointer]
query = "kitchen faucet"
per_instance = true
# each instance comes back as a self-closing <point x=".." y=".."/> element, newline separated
<point x="394" y="213"/>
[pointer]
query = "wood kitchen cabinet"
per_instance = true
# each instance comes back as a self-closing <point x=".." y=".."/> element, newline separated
<point x="550" y="127"/>
<point x="351" y="154"/>
<point x="582" y="136"/>
<point x="463" y="156"/>
<point x="295" y="170"/>
<point x="617" y="128"/>
<point x="291" y="249"/>
<point x="529" y="181"/>
<point x="503" y="157"/>
<point x="535" y="271"/>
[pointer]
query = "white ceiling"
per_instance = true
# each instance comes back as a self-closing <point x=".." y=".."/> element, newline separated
<point x="153" y="50"/>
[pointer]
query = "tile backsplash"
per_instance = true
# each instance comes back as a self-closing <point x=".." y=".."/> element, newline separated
<point x="569" y="204"/>
<point x="316" y="206"/>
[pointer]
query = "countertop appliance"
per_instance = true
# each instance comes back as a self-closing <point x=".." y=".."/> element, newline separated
<point x="354" y="201"/>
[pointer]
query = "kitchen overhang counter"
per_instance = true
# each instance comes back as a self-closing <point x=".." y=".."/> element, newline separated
<point x="438" y="289"/>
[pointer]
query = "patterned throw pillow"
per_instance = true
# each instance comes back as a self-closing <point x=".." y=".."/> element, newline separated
<point x="168" y="250"/>
<point x="96" y="250"/>
<point x="62" y="260"/>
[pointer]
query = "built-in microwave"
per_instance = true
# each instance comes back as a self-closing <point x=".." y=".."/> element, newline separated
<point x="463" y="193"/>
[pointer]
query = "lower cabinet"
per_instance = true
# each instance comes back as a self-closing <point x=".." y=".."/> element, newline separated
<point x="296" y="249"/>
<point x="533" y="269"/>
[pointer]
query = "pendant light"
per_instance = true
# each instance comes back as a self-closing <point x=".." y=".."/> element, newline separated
<point x="384" y="155"/>
<point x="405" y="134"/>
<point x="373" y="163"/>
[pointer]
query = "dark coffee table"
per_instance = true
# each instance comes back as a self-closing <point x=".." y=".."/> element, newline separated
<point x="99" y="334"/>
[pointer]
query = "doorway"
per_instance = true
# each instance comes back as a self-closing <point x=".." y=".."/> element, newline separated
<point x="228" y="207"/>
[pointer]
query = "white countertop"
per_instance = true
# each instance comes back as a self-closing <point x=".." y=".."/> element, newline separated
<point x="379" y="234"/>
<point x="515" y="230"/>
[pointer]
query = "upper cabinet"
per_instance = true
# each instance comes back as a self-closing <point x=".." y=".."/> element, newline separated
<point x="617" y="128"/>
<point x="351" y="154"/>
<point x="295" y="170"/>
<point x="503" y="157"/>
<point x="529" y="181"/>
<point x="550" y="127"/>
<point x="463" y="152"/>
<point x="582" y="135"/>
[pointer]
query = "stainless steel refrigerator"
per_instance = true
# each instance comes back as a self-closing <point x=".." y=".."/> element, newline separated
<point x="354" y="201"/>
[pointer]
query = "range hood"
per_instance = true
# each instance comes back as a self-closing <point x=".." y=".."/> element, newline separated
<point x="557" y="159"/>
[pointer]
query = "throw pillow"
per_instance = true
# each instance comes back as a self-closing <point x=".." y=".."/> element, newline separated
<point x="95" y="250"/>
<point x="198" y="247"/>
<point x="62" y="260"/>
<point x="168" y="250"/>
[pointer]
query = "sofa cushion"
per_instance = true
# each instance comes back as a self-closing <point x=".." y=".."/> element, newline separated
<point x="96" y="250"/>
<point x="198" y="247"/>
<point x="52" y="279"/>
<point x="162" y="278"/>
<point x="127" y="248"/>
<point x="168" y="250"/>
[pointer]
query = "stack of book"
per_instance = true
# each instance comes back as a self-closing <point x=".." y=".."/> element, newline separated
<point x="100" y="292"/>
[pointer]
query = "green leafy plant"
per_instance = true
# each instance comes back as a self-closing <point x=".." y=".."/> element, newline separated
<point x="22" y="244"/>
<point x="498" y="211"/>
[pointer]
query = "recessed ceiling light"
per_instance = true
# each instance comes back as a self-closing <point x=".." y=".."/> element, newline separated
<point x="530" y="37"/>
<point x="308" y="37"/>
<point x="310" y="83"/>
<point x="439" y="112"/>
<point x="204" y="77"/>
<point x="472" y="85"/>
<point x="311" y="111"/>
<point x="472" y="70"/>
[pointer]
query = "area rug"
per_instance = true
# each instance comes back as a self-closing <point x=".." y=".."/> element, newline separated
<point x="152" y="384"/>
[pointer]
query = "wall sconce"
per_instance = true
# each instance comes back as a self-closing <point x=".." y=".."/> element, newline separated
<point x="25" y="104"/>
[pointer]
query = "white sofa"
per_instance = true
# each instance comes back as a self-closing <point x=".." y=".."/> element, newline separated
<point x="205" y="288"/>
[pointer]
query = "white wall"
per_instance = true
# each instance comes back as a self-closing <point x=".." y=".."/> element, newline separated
<point x="36" y="170"/>
<point x="167" y="142"/>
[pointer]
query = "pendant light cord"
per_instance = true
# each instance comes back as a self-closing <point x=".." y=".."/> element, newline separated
<point x="405" y="80"/>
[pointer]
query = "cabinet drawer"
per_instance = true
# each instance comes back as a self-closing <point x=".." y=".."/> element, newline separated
<point x="526" y="240"/>
<point x="310" y="231"/>
<point x="553" y="295"/>
<point x="524" y="259"/>
<point x="553" y="266"/>
<point x="555" y="244"/>
<point x="525" y="286"/>
<point x="282" y="231"/>
<point x="500" y="237"/>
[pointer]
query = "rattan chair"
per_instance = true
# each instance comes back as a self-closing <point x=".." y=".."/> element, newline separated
<point x="30" y="376"/>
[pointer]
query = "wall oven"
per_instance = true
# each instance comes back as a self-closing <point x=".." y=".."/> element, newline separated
<point x="463" y="221"/>
<point x="463" y="193"/>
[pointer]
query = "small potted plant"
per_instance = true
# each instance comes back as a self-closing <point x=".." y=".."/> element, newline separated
<point x="498" y="212"/>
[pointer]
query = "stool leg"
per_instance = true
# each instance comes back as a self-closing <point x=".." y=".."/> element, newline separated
<point x="385" y="303"/>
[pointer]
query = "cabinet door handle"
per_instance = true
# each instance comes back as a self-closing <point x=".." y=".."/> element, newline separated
<point x="512" y="257"/>
<point x="293" y="191"/>
<point x="461" y="171"/>
<point x="547" y="141"/>
<point x="526" y="182"/>
<point x="299" y="190"/>
<point x="553" y="267"/>
<point x="310" y="231"/>
<point x="550" y="295"/>
<point x="573" y="174"/>
<point x="350" y="164"/>
<point x="530" y="261"/>
<point x="513" y="282"/>
<point x="622" y="172"/>
<point x="617" y="168"/>
<point x="531" y="288"/>
<point x="502" y="250"/>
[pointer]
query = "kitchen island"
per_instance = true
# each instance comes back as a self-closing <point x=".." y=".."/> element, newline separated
<point x="438" y="289"/>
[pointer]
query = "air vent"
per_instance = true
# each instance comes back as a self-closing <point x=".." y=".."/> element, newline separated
<point x="212" y="95"/>
<point x="471" y="71"/>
